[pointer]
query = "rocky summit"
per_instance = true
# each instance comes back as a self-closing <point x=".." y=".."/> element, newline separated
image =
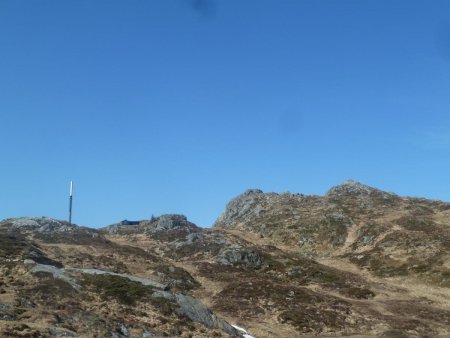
<point x="356" y="262"/>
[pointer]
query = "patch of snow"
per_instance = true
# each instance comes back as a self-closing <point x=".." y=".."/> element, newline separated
<point x="244" y="331"/>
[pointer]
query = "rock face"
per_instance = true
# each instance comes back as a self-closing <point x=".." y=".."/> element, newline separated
<point x="198" y="312"/>
<point x="244" y="207"/>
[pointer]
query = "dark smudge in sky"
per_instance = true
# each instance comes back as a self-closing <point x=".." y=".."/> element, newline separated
<point x="205" y="8"/>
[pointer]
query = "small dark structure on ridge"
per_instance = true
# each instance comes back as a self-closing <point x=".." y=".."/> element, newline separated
<point x="127" y="222"/>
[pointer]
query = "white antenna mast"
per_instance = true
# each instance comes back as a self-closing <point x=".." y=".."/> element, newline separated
<point x="70" y="202"/>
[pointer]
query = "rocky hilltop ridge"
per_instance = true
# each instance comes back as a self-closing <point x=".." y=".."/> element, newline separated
<point x="363" y="223"/>
<point x="254" y="202"/>
<point x="52" y="230"/>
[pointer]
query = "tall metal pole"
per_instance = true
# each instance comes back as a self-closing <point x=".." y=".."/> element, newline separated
<point x="70" y="202"/>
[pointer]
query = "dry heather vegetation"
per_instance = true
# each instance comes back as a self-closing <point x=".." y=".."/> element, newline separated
<point x="357" y="262"/>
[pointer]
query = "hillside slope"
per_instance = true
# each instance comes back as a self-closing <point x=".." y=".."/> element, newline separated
<point x="357" y="262"/>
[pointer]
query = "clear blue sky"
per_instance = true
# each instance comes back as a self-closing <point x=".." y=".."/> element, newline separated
<point x="176" y="106"/>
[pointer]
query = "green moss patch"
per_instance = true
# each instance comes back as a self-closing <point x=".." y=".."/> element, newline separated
<point x="119" y="288"/>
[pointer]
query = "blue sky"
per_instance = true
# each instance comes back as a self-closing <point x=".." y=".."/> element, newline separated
<point x="177" y="106"/>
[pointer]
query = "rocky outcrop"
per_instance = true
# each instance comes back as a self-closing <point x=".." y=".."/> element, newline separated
<point x="64" y="274"/>
<point x="237" y="255"/>
<point x="198" y="312"/>
<point x="186" y="305"/>
<point x="163" y="223"/>
<point x="58" y="273"/>
<point x="42" y="225"/>
<point x="244" y="207"/>
<point x="142" y="280"/>
<point x="113" y="229"/>
<point x="168" y="228"/>
<point x="355" y="188"/>
<point x="173" y="222"/>
<point x="53" y="231"/>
